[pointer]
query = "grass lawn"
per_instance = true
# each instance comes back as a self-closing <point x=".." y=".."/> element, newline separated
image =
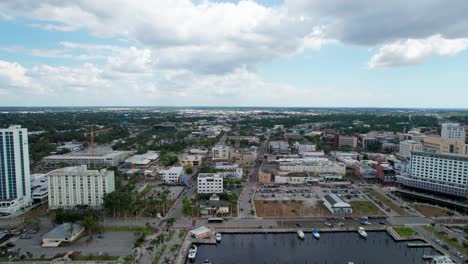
<point x="365" y="208"/>
<point x="447" y="240"/>
<point x="387" y="202"/>
<point x="405" y="231"/>
<point x="431" y="211"/>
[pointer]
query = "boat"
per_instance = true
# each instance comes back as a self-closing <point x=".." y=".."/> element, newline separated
<point x="218" y="237"/>
<point x="206" y="262"/>
<point x="316" y="233"/>
<point x="362" y="232"/>
<point x="192" y="253"/>
<point x="300" y="234"/>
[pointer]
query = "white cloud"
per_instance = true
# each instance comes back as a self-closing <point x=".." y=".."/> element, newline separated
<point x="413" y="51"/>
<point x="13" y="74"/>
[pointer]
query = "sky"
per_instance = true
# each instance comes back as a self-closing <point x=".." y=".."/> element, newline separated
<point x="301" y="53"/>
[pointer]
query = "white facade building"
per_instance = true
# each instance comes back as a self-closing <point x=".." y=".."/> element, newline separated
<point x="75" y="186"/>
<point x="437" y="172"/>
<point x="221" y="152"/>
<point x="301" y="148"/>
<point x="210" y="183"/>
<point x="15" y="178"/>
<point x="172" y="175"/>
<point x="407" y="146"/>
<point x="453" y="131"/>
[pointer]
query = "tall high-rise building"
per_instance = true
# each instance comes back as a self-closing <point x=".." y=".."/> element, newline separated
<point x="438" y="172"/>
<point x="15" y="178"/>
<point x="453" y="131"/>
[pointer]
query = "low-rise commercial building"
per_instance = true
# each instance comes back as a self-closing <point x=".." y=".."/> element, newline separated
<point x="221" y="152"/>
<point x="172" y="175"/>
<point x="319" y="165"/>
<point x="113" y="158"/>
<point x="191" y="160"/>
<point x="279" y="147"/>
<point x="66" y="232"/>
<point x="142" y="160"/>
<point x="336" y="205"/>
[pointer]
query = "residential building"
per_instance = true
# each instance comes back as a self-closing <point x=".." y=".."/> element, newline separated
<point x="15" y="178"/>
<point x="221" y="152"/>
<point x="172" y="175"/>
<point x="336" y="205"/>
<point x="77" y="186"/>
<point x="210" y="183"/>
<point x="453" y="131"/>
<point x="407" y="146"/>
<point x="437" y="172"/>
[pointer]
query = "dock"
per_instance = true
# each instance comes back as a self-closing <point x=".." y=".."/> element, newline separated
<point x="419" y="244"/>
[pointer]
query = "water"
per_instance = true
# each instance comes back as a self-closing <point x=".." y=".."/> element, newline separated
<point x="332" y="248"/>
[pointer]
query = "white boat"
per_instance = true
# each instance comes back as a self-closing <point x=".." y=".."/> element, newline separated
<point x="316" y="233"/>
<point x="218" y="237"/>
<point x="300" y="234"/>
<point x="362" y="231"/>
<point x="206" y="262"/>
<point x="192" y="253"/>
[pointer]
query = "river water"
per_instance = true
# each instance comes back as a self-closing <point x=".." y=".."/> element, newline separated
<point x="331" y="248"/>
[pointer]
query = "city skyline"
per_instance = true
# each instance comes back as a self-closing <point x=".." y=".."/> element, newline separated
<point x="234" y="53"/>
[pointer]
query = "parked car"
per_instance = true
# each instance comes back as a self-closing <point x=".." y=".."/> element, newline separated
<point x="25" y="236"/>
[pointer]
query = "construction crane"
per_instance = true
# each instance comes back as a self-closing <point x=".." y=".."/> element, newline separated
<point x="92" y="133"/>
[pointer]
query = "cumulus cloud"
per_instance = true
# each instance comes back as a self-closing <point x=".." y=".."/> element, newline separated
<point x="413" y="51"/>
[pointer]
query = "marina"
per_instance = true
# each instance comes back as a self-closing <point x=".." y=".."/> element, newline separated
<point x="332" y="247"/>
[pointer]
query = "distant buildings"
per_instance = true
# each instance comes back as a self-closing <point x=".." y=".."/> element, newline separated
<point x="77" y="186"/>
<point x="317" y="165"/>
<point x="347" y="141"/>
<point x="210" y="183"/>
<point x="301" y="148"/>
<point x="279" y="148"/>
<point x="407" y="146"/>
<point x="172" y="175"/>
<point x="15" y="179"/>
<point x="437" y="172"/>
<point x="112" y="158"/>
<point x="336" y="205"/>
<point x="453" y="131"/>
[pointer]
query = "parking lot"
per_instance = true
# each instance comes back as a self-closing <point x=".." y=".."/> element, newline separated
<point x="112" y="244"/>
<point x="312" y="194"/>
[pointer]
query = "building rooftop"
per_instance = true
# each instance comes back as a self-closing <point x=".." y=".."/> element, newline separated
<point x="65" y="230"/>
<point x="335" y="201"/>
<point x="143" y="159"/>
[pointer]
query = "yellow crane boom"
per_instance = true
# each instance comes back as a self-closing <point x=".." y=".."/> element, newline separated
<point x="92" y="133"/>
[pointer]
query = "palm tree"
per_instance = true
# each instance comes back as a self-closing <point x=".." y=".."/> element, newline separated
<point x="167" y="260"/>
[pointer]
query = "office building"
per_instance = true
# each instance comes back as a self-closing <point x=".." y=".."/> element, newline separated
<point x="221" y="152"/>
<point x="453" y="131"/>
<point x="407" y="146"/>
<point x="77" y="186"/>
<point x="15" y="179"/>
<point x="347" y="141"/>
<point x="172" y="175"/>
<point x="437" y="172"/>
<point x="210" y="183"/>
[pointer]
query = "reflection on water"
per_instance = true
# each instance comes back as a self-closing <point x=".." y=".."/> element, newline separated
<point x="332" y="248"/>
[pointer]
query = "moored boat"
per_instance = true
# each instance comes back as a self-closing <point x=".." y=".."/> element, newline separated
<point x="300" y="234"/>
<point x="218" y="237"/>
<point x="316" y="233"/>
<point x="362" y="232"/>
<point x="192" y="253"/>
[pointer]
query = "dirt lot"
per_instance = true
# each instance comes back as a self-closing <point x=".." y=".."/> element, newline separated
<point x="289" y="209"/>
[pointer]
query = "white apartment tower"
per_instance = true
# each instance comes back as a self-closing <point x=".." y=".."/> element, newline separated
<point x="453" y="131"/>
<point x="438" y="172"/>
<point x="210" y="183"/>
<point x="77" y="186"/>
<point x="15" y="178"/>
